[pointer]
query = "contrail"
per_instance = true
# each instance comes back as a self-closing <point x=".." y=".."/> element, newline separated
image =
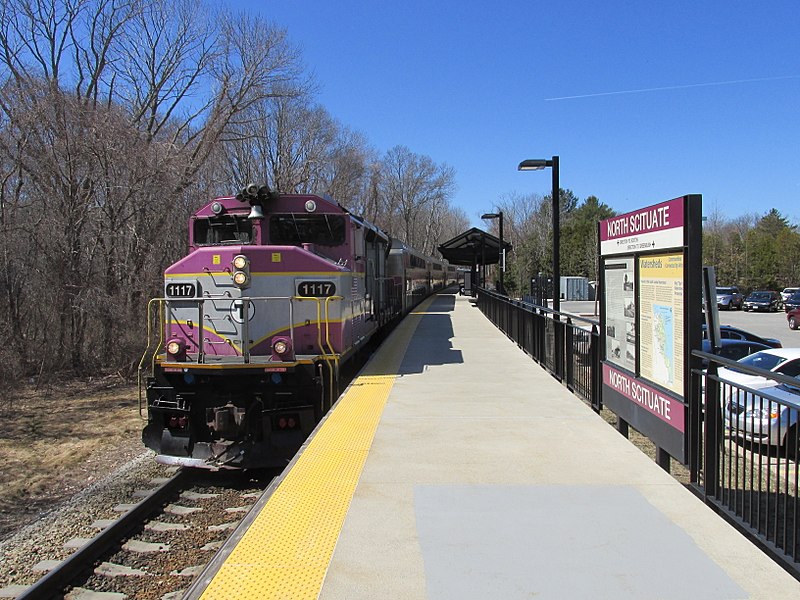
<point x="672" y="87"/>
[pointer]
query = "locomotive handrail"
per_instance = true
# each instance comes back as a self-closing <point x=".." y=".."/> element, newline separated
<point x="334" y="371"/>
<point x="147" y="349"/>
<point x="201" y="341"/>
<point x="323" y="319"/>
<point x="246" y="329"/>
<point x="332" y="357"/>
<point x="328" y="322"/>
<point x="201" y="353"/>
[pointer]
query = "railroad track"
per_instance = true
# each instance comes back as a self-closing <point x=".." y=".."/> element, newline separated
<point x="162" y="541"/>
<point x="159" y="543"/>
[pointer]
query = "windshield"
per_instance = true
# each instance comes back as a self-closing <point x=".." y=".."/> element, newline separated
<point x="763" y="360"/>
<point x="760" y="296"/>
<point x="223" y="230"/>
<point x="790" y="388"/>
<point x="292" y="230"/>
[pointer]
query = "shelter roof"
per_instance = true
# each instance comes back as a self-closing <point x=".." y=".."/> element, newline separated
<point x="473" y="247"/>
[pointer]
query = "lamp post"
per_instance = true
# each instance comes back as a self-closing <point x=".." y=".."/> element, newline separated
<point x="538" y="165"/>
<point x="499" y="215"/>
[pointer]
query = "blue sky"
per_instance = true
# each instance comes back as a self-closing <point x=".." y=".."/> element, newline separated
<point x="481" y="86"/>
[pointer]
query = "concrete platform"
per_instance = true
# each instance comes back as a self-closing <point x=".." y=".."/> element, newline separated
<point x="486" y="478"/>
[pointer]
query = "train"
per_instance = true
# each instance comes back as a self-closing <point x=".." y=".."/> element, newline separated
<point x="276" y="294"/>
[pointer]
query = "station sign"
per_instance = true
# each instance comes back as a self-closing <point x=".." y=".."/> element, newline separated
<point x="649" y="312"/>
<point x="655" y="227"/>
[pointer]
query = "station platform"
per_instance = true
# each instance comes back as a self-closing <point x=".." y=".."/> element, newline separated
<point x="455" y="467"/>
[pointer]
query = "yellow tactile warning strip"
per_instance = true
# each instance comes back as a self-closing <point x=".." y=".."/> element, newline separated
<point x="286" y="550"/>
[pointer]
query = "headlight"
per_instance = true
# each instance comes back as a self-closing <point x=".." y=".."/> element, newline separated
<point x="280" y="347"/>
<point x="763" y="414"/>
<point x="241" y="276"/>
<point x="174" y="347"/>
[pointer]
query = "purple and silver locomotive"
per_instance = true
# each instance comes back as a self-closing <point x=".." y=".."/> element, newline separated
<point x="276" y="293"/>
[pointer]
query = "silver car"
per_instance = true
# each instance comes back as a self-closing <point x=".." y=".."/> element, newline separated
<point x="729" y="298"/>
<point x="768" y="416"/>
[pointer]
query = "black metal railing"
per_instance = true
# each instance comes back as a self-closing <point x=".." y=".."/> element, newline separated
<point x="746" y="461"/>
<point x="564" y="344"/>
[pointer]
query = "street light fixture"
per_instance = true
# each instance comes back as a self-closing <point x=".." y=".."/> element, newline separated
<point x="499" y="215"/>
<point x="538" y="165"/>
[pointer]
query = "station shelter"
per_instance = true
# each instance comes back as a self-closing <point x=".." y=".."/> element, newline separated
<point x="475" y="249"/>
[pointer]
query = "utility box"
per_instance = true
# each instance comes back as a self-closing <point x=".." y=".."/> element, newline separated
<point x="574" y="288"/>
<point x="465" y="286"/>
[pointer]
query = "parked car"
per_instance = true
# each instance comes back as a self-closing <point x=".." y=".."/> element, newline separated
<point x="775" y="360"/>
<point x="734" y="349"/>
<point x="763" y="300"/>
<point x="729" y="298"/>
<point x="727" y="332"/>
<point x="793" y="318"/>
<point x="792" y="302"/>
<point x="769" y="417"/>
<point x="788" y="292"/>
<point x="736" y="385"/>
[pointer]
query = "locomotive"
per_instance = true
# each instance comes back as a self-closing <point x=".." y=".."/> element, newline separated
<point x="276" y="294"/>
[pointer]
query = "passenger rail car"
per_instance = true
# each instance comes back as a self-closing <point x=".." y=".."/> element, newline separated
<point x="274" y="295"/>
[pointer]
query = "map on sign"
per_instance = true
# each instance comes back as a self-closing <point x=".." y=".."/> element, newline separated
<point x="662" y="320"/>
<point x="663" y="345"/>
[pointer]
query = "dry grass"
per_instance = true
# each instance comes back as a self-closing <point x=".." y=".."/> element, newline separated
<point x="679" y="471"/>
<point x="58" y="438"/>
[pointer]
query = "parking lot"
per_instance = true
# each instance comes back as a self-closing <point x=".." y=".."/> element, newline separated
<point x="770" y="325"/>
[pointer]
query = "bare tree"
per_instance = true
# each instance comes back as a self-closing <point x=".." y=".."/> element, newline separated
<point x="286" y="144"/>
<point x="14" y="301"/>
<point x="109" y="109"/>
<point x="412" y="187"/>
<point x="349" y="172"/>
<point x="527" y="227"/>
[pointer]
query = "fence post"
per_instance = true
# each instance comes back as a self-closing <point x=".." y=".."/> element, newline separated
<point x="569" y="343"/>
<point x="711" y="441"/>
<point x="596" y="367"/>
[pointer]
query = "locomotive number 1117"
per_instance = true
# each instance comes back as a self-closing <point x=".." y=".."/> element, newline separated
<point x="316" y="289"/>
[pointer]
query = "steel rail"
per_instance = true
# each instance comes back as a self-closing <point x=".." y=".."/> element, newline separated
<point x="52" y="585"/>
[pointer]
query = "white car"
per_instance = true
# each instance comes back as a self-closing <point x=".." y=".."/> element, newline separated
<point x="777" y="360"/>
<point x="788" y="292"/>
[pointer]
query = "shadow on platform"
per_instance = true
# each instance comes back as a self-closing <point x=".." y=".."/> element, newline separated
<point x="435" y="326"/>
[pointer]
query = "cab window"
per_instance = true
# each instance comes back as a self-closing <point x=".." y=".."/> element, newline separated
<point x="296" y="229"/>
<point x="223" y="230"/>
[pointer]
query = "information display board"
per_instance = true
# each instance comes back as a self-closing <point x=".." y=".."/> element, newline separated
<point x="620" y="327"/>
<point x="647" y="258"/>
